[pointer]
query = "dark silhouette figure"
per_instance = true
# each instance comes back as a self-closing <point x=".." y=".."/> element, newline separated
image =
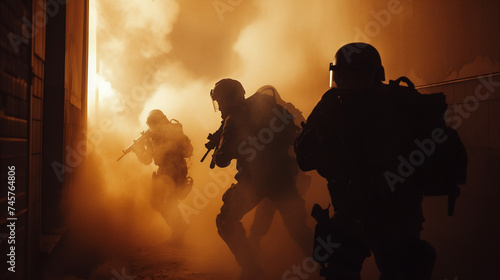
<point x="264" y="213"/>
<point x="166" y="144"/>
<point x="354" y="134"/>
<point x="258" y="133"/>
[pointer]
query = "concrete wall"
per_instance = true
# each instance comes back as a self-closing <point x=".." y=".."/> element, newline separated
<point x="457" y="48"/>
<point x="451" y="47"/>
<point x="468" y="243"/>
<point x="432" y="41"/>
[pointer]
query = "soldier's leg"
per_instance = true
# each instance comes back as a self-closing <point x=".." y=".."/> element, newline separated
<point x="395" y="241"/>
<point x="262" y="221"/>
<point x="346" y="262"/>
<point x="183" y="183"/>
<point x="412" y="259"/>
<point x="158" y="191"/>
<point x="346" y="259"/>
<point x="164" y="200"/>
<point x="238" y="200"/>
<point x="292" y="208"/>
<point x="173" y="215"/>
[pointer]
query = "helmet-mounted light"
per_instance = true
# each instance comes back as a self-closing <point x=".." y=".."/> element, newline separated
<point x="331" y="74"/>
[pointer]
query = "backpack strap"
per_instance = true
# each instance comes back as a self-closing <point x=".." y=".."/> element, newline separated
<point x="402" y="79"/>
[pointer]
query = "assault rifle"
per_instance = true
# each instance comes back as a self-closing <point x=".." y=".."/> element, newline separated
<point x="139" y="140"/>
<point x="213" y="143"/>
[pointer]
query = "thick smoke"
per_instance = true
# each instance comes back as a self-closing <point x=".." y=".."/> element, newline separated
<point x="167" y="55"/>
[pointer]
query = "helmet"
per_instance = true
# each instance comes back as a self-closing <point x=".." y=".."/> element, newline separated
<point x="359" y="57"/>
<point x="155" y="116"/>
<point x="227" y="90"/>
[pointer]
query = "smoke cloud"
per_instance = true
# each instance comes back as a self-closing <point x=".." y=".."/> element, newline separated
<point x="167" y="55"/>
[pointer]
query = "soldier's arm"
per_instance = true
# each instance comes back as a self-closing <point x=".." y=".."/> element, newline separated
<point x="144" y="152"/>
<point x="227" y="148"/>
<point x="308" y="145"/>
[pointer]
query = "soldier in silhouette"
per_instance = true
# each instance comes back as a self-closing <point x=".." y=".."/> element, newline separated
<point x="354" y="134"/>
<point x="258" y="133"/>
<point x="166" y="144"/>
<point x="264" y="213"/>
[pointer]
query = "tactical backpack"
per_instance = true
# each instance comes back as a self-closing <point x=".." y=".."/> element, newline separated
<point x="268" y="117"/>
<point x="185" y="185"/>
<point x="444" y="166"/>
<point x="434" y="159"/>
<point x="184" y="141"/>
<point x="261" y="107"/>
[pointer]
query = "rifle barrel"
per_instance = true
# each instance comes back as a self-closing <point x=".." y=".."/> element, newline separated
<point x="205" y="155"/>
<point x="134" y="142"/>
<point x="121" y="156"/>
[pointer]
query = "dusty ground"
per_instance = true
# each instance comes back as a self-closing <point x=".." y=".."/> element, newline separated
<point x="170" y="262"/>
<point x="167" y="262"/>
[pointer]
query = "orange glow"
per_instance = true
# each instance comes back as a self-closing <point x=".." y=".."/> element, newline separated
<point x="167" y="55"/>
